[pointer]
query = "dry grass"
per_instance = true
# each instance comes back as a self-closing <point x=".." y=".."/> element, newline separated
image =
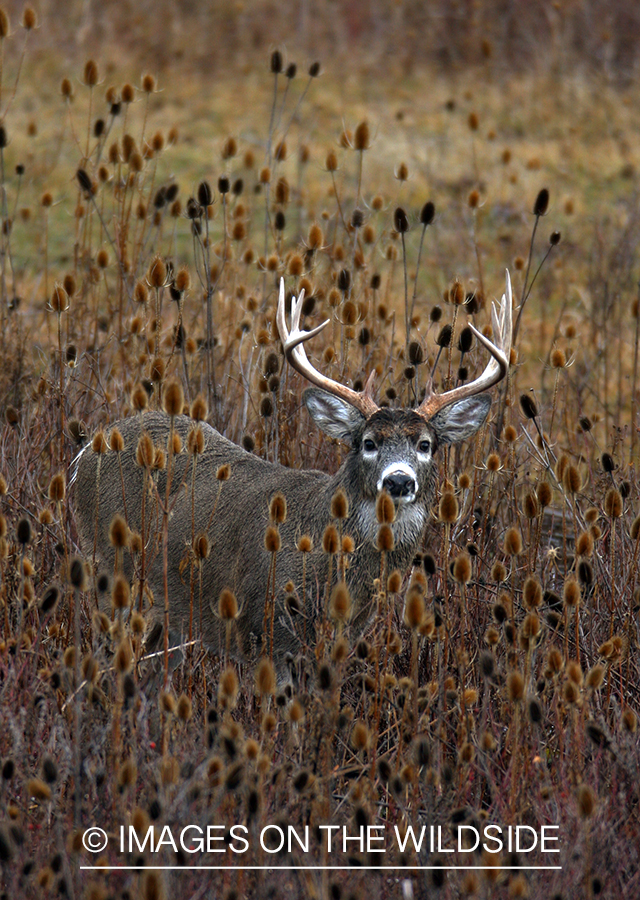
<point x="514" y="697"/>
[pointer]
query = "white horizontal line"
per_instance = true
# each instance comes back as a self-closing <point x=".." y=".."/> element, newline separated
<point x="318" y="868"/>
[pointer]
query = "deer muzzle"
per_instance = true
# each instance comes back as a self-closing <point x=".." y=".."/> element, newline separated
<point x="400" y="482"/>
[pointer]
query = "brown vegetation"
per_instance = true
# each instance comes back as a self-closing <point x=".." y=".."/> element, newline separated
<point x="499" y="681"/>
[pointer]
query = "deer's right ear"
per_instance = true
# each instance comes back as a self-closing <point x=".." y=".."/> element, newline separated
<point x="334" y="416"/>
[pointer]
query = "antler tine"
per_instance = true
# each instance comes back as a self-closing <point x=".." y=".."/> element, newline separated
<point x="497" y="367"/>
<point x="293" y="345"/>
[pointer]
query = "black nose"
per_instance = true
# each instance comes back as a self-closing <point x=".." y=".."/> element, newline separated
<point x="399" y="485"/>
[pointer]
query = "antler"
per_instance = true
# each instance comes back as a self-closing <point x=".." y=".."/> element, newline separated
<point x="497" y="366"/>
<point x="292" y="342"/>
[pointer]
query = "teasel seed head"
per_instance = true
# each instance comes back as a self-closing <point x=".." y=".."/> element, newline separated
<point x="228" y="686"/>
<point x="571" y="480"/>
<point x="305" y="544"/>
<point x="339" y="505"/>
<point x="385" y="541"/>
<point x="90" y="73"/>
<point x="124" y="657"/>
<point x="195" y="441"/>
<point x="532" y="593"/>
<point x="528" y="406"/>
<point x="37" y="789"/>
<point x="400" y="220"/>
<point x="116" y="441"/>
<point x="157" y="273"/>
<point x="554" y="660"/>
<point x="148" y="84"/>
<point x="362" y="136"/>
<point x="608" y="463"/>
<point x="275" y="63"/>
<point x="592" y="515"/>
<point x="571" y="592"/>
<point x="444" y="336"/>
<point x="59" y="301"/>
<point x="448" y="508"/>
<point x="278" y="509"/>
<point x="462" y="569"/>
<point x="57" y="487"/>
<point x="49" y="770"/>
<point x="272" y="540"/>
<point x="613" y="503"/>
<point x="394" y="582"/>
<point x="542" y="203"/>
<point x="585" y="572"/>
<point x="49" y="599"/>
<point x="586" y="801"/>
<point x="595" y="677"/>
<point x="167" y="703"/>
<point x="118" y="532"/>
<point x="330" y="542"/>
<point x="99" y="443"/>
<point x="498" y="572"/>
<point x="534" y="708"/>
<point x="513" y="542"/>
<point x="121" y="593"/>
<point x="78" y="573"/>
<point x="227" y="605"/>
<point x="265" y="677"/>
<point x="544" y="494"/>
<point x="530" y="630"/>
<point x="158" y="368"/>
<point x="145" y="451"/>
<point x="585" y="423"/>
<point x="66" y="89"/>
<point x="584" y="544"/>
<point x="140" y="292"/>
<point x="487" y="664"/>
<point x="360" y="736"/>
<point x="427" y="213"/>
<point x="530" y="506"/>
<point x="629" y="721"/>
<point x="184" y="708"/>
<point x="340" y="604"/>
<point x="199" y="410"/>
<point x="414" y="609"/>
<point x="515" y="686"/>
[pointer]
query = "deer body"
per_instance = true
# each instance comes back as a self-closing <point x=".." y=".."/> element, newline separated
<point x="391" y="449"/>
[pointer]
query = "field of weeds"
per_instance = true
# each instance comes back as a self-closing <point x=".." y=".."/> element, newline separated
<point x="149" y="210"/>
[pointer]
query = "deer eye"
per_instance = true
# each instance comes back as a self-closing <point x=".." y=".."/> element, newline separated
<point x="424" y="446"/>
<point x="369" y="445"/>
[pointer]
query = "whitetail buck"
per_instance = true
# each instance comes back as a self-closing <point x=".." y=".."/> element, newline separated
<point x="392" y="450"/>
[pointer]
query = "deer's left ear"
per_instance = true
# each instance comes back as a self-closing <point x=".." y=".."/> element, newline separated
<point x="460" y="420"/>
<point x="336" y="417"/>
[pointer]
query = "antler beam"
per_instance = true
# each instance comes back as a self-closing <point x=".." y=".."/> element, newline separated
<point x="496" y="369"/>
<point x="293" y="345"/>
